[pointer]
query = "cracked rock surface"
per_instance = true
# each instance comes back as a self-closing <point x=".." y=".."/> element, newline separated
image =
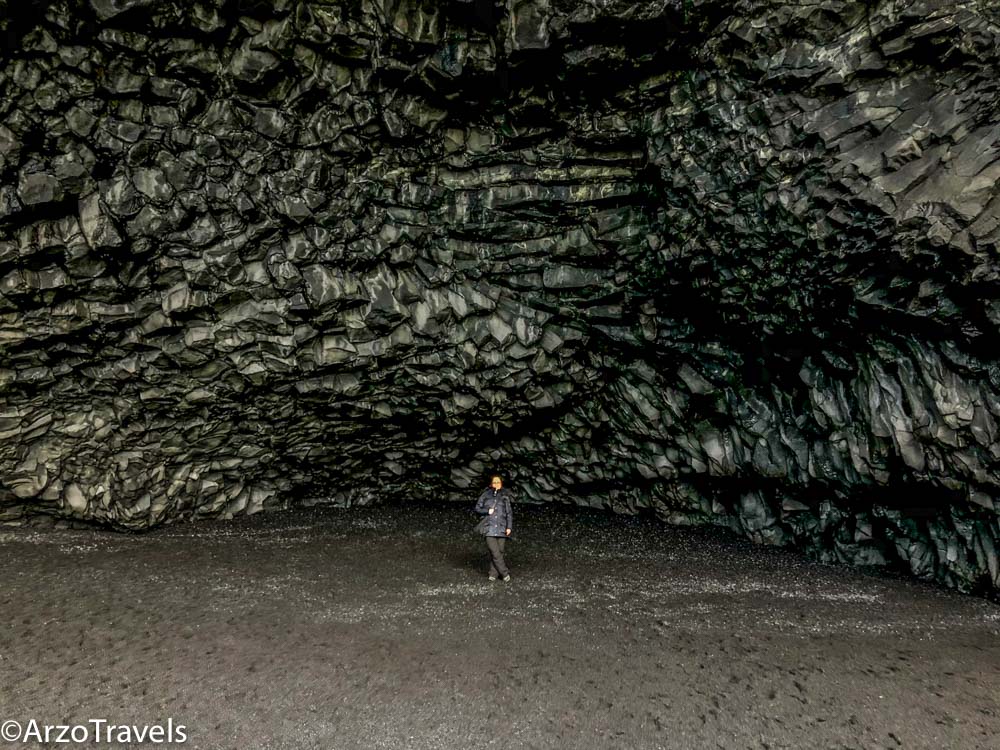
<point x="734" y="262"/>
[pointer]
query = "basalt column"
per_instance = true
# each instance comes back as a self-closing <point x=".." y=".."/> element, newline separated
<point x="734" y="262"/>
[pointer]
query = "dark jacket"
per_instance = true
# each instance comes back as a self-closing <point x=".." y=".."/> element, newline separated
<point x="502" y="518"/>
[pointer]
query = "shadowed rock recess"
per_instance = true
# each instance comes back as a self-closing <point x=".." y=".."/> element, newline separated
<point x="733" y="262"/>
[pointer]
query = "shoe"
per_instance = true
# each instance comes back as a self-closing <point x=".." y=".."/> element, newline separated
<point x="493" y="578"/>
<point x="506" y="578"/>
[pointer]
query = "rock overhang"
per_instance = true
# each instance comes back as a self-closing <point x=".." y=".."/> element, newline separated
<point x="732" y="262"/>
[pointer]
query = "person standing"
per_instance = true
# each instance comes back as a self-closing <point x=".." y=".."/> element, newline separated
<point x="494" y="503"/>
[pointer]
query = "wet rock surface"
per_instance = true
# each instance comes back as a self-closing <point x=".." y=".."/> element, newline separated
<point x="377" y="627"/>
<point x="735" y="262"/>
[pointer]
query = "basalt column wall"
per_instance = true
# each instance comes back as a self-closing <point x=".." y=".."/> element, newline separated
<point x="735" y="262"/>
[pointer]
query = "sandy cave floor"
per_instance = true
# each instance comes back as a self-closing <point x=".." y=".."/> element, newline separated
<point x="376" y="627"/>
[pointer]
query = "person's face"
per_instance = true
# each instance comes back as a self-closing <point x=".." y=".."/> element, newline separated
<point x="496" y="483"/>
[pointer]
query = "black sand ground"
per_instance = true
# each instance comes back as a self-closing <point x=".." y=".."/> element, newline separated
<point x="377" y="628"/>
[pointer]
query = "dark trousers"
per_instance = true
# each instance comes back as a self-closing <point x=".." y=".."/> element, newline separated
<point x="498" y="568"/>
